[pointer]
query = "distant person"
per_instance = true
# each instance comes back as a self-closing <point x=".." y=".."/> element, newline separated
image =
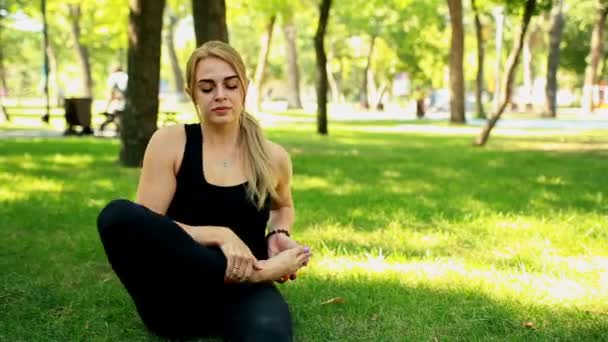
<point x="117" y="86"/>
<point x="196" y="251"/>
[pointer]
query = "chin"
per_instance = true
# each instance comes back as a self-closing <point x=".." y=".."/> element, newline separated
<point x="221" y="120"/>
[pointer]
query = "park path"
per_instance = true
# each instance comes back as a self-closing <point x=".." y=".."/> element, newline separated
<point x="566" y="121"/>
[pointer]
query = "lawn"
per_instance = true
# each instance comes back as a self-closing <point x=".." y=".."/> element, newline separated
<point x="420" y="236"/>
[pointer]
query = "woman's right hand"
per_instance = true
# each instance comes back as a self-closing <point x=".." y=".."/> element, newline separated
<point x="241" y="263"/>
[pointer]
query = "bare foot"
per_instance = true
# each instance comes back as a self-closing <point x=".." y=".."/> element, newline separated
<point x="286" y="262"/>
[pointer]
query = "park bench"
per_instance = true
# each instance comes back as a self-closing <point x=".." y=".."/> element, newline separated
<point x="165" y="116"/>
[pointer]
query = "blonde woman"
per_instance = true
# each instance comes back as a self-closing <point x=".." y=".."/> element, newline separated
<point x="193" y="252"/>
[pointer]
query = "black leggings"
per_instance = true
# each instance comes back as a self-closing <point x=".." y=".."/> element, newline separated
<point x="177" y="285"/>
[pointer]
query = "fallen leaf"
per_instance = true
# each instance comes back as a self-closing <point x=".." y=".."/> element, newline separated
<point x="337" y="300"/>
<point x="529" y="325"/>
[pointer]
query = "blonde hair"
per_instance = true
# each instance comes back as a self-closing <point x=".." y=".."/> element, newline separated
<point x="261" y="178"/>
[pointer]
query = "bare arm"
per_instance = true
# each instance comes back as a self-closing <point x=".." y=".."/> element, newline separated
<point x="157" y="182"/>
<point x="282" y="214"/>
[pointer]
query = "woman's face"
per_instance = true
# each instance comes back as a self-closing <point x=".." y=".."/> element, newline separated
<point x="217" y="92"/>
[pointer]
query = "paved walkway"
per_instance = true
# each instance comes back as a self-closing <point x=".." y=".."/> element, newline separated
<point x="564" y="122"/>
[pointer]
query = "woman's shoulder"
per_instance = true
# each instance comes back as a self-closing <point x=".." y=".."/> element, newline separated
<point x="276" y="152"/>
<point x="168" y="138"/>
<point x="166" y="146"/>
<point x="279" y="157"/>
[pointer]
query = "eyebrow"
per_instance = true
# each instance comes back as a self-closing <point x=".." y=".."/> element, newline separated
<point x="206" y="80"/>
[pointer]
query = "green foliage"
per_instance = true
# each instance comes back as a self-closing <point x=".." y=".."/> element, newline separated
<point x="576" y="39"/>
<point x="103" y="26"/>
<point x="420" y="41"/>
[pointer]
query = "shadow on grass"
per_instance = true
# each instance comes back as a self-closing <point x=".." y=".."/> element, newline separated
<point x="449" y="177"/>
<point x="56" y="284"/>
<point x="387" y="310"/>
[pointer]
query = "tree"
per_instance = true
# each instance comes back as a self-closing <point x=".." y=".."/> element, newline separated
<point x="74" y="14"/>
<point x="293" y="70"/>
<point x="209" y="20"/>
<point x="479" y="88"/>
<point x="178" y="77"/>
<point x="322" y="85"/>
<point x="595" y="54"/>
<point x="260" y="70"/>
<point x="456" y="63"/>
<point x="555" y="38"/>
<point x="141" y="112"/>
<point x="512" y="61"/>
<point x="3" y="84"/>
<point x="47" y="116"/>
<point x="420" y="24"/>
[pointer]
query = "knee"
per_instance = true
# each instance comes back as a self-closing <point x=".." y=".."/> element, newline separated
<point x="114" y="216"/>
<point x="269" y="328"/>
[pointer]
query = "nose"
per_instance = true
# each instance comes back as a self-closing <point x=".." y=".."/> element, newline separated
<point x="220" y="94"/>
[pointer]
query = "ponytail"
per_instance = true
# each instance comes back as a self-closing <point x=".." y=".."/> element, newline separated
<point x="261" y="177"/>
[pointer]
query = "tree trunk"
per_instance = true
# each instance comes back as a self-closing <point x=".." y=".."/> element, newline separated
<point x="3" y="84"/>
<point x="336" y="94"/>
<point x="333" y="84"/>
<point x="512" y="62"/>
<point x="364" y="92"/>
<point x="45" y="38"/>
<point x="322" y="67"/>
<point x="3" y="87"/>
<point x="54" y="69"/>
<point x="591" y="74"/>
<point x="528" y="72"/>
<point x="141" y="112"/>
<point x="420" y="108"/>
<point x="456" y="63"/>
<point x="293" y="72"/>
<point x="81" y="50"/>
<point x="481" y="114"/>
<point x="381" y="92"/>
<point x="555" y="38"/>
<point x="175" y="68"/>
<point x="260" y="70"/>
<point x="209" y="20"/>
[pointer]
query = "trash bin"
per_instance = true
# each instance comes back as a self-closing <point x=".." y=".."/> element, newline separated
<point x="78" y="113"/>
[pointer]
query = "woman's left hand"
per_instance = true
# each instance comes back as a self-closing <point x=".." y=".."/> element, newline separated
<point x="278" y="243"/>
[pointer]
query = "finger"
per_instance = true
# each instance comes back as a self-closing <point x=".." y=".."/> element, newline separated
<point x="229" y="265"/>
<point x="239" y="267"/>
<point x="257" y="265"/>
<point x="301" y="259"/>
<point x="248" y="270"/>
<point x="301" y="250"/>
<point x="292" y="243"/>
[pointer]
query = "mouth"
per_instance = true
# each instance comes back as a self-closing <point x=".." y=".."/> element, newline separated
<point x="221" y="110"/>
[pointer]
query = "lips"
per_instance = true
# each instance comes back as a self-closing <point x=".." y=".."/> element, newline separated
<point x="221" y="109"/>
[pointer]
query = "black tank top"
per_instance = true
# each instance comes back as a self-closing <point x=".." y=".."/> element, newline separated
<point x="198" y="203"/>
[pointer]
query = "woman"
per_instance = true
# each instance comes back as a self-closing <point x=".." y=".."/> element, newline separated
<point x="192" y="251"/>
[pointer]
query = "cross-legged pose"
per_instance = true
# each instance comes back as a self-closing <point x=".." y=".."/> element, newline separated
<point x="192" y="251"/>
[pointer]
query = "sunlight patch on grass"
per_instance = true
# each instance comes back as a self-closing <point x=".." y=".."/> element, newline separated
<point x="80" y="161"/>
<point x="310" y="183"/>
<point x="394" y="239"/>
<point x="521" y="286"/>
<point x="21" y="187"/>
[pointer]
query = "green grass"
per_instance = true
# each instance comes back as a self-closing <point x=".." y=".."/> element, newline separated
<point x="424" y="237"/>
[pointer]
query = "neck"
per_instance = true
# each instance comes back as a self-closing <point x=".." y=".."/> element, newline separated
<point x="221" y="136"/>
